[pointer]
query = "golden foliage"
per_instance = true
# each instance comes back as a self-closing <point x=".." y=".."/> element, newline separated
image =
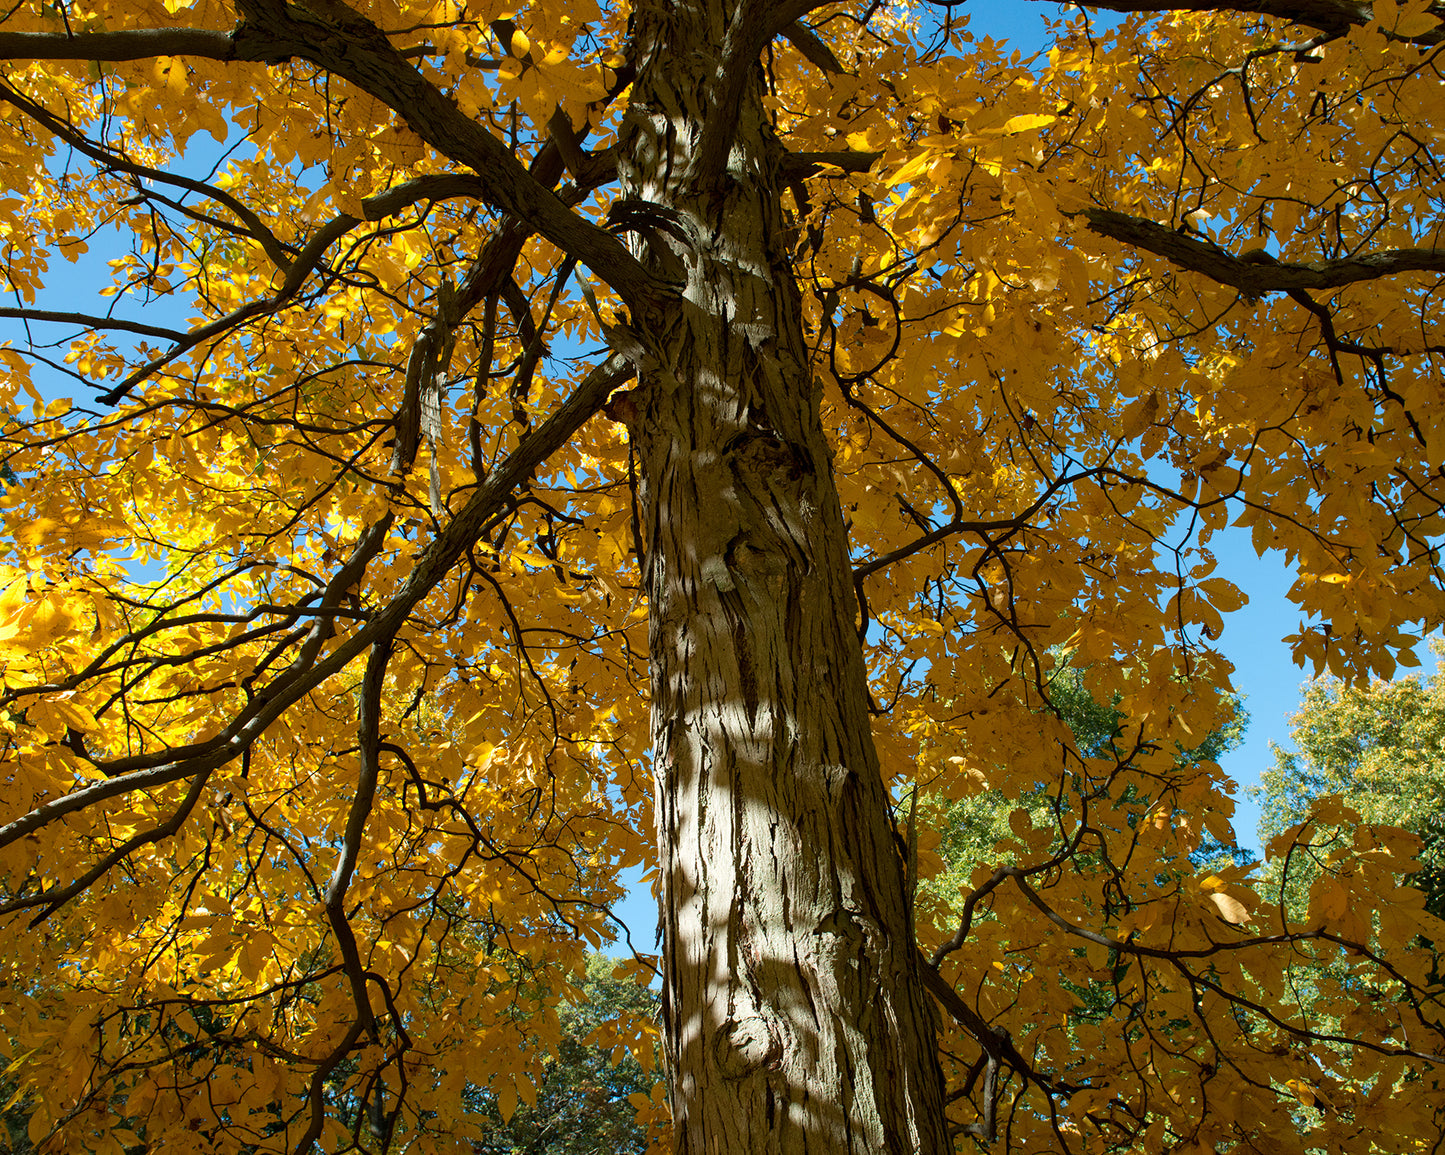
<point x="323" y="653"/>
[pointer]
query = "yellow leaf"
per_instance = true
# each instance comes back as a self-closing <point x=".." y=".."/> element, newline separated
<point x="38" y="1127"/>
<point x="1389" y="16"/>
<point x="74" y="715"/>
<point x="1230" y="909"/>
<point x="1027" y="121"/>
<point x="507" y="1100"/>
<point x="1139" y="415"/>
<point x="910" y="170"/>
<point x="1302" y="1091"/>
<point x="1223" y="594"/>
<point x="1415" y="24"/>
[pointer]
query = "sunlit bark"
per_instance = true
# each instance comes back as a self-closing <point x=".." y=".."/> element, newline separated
<point x="794" y="1015"/>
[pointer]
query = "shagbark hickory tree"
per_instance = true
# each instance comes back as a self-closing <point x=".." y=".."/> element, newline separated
<point x="513" y="443"/>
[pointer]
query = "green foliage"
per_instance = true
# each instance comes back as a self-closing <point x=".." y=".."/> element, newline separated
<point x="1381" y="748"/>
<point x="972" y="831"/>
<point x="14" y="1118"/>
<point x="584" y="1103"/>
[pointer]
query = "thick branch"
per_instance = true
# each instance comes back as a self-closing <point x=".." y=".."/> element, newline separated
<point x="273" y="32"/>
<point x="369" y="726"/>
<point x="86" y="321"/>
<point x="57" y="896"/>
<point x="358" y="51"/>
<point x="1258" y="273"/>
<point x="138" y="44"/>
<point x="746" y="37"/>
<point x="806" y="41"/>
<point x="798" y="165"/>
<point x="1335" y="17"/>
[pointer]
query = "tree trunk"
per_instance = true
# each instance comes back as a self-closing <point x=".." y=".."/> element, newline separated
<point x="794" y="1019"/>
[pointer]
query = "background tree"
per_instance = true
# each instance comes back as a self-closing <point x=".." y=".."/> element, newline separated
<point x="1370" y="753"/>
<point x="1381" y="748"/>
<point x="512" y="444"/>
<point x="1368" y="761"/>
<point x="977" y="834"/>
<point x="595" y="1087"/>
<point x="976" y="830"/>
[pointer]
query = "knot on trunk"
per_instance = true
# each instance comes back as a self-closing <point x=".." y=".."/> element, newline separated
<point x="746" y="1045"/>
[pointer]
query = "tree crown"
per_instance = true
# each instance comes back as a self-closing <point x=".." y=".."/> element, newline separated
<point x="326" y="591"/>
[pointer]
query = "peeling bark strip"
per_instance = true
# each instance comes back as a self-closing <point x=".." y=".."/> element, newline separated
<point x="794" y="1016"/>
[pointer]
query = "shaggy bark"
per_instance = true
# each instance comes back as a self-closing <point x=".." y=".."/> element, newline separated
<point x="794" y="1016"/>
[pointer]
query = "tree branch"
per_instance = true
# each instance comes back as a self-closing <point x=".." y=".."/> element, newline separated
<point x="806" y="41"/>
<point x="800" y="165"/>
<point x="305" y="674"/>
<point x="86" y="321"/>
<point x="1335" y="17"/>
<point x="136" y="44"/>
<point x="1257" y="273"/>
<point x="255" y="227"/>
<point x="995" y="1042"/>
<point x="378" y="207"/>
<point x="356" y="50"/>
<point x="272" y="32"/>
<point x="746" y="38"/>
<point x="57" y="896"/>
<point x="369" y="726"/>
